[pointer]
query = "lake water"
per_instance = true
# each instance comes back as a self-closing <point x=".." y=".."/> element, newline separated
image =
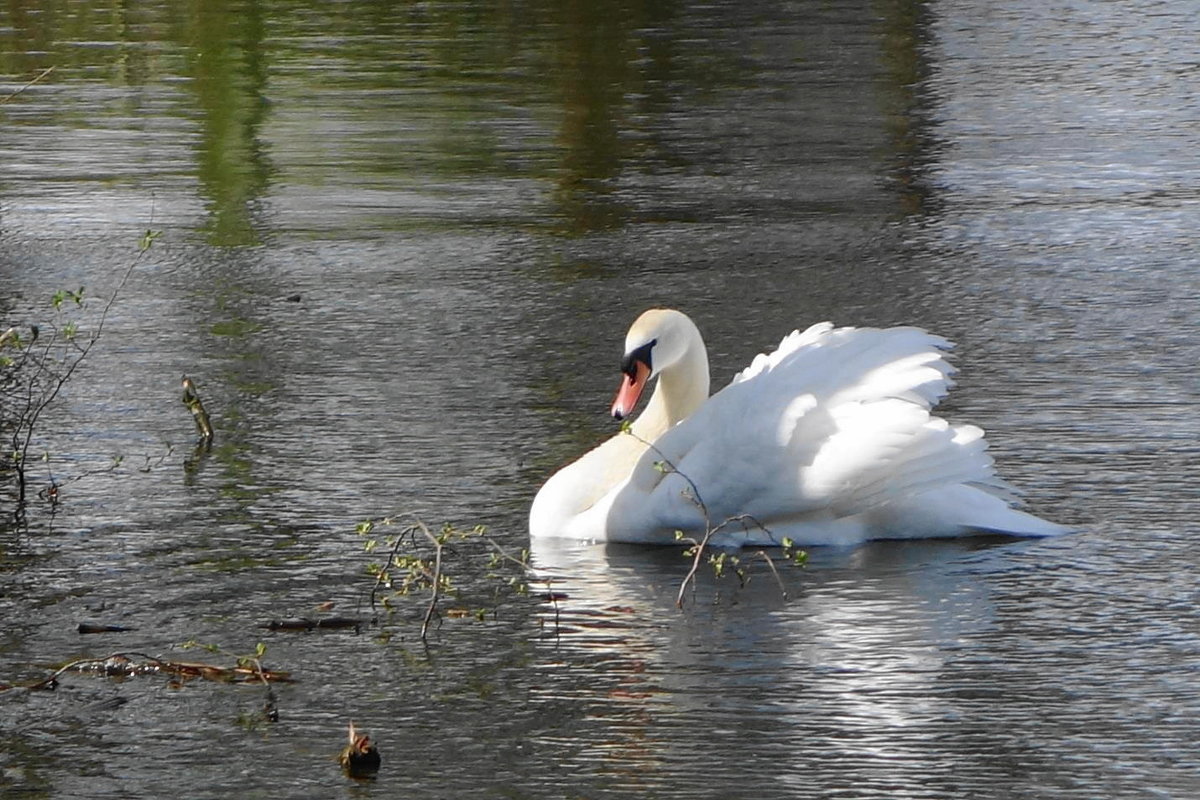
<point x="400" y="246"/>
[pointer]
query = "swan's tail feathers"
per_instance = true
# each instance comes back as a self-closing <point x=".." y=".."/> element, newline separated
<point x="953" y="510"/>
<point x="1022" y="523"/>
<point x="991" y="513"/>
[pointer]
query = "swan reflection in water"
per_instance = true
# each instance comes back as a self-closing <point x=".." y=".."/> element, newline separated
<point x="847" y="675"/>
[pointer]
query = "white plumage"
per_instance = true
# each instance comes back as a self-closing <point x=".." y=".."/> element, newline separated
<point x="829" y="439"/>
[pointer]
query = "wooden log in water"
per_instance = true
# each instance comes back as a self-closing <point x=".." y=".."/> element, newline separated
<point x="306" y="624"/>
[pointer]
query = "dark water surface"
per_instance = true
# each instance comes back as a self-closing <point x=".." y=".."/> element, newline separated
<point x="400" y="248"/>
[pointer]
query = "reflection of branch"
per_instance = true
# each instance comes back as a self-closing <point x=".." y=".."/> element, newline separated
<point x="50" y="493"/>
<point x="499" y="554"/>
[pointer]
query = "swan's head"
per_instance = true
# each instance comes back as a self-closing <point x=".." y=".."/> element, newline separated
<point x="659" y="339"/>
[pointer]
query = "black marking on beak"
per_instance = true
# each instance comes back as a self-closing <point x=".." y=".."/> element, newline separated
<point x="630" y="361"/>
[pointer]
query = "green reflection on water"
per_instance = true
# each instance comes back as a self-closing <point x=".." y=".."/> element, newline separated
<point x="407" y="99"/>
<point x="227" y="61"/>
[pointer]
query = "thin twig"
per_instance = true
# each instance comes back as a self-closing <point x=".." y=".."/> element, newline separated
<point x="689" y="579"/>
<point x="433" y="578"/>
<point x="383" y="572"/>
<point x="775" y="572"/>
<point x="703" y="544"/>
<point x="43" y="74"/>
<point x="697" y="547"/>
<point x="431" y="609"/>
<point x="35" y="407"/>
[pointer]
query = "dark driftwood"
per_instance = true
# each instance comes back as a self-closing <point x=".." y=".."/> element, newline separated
<point x="91" y="627"/>
<point x="306" y="624"/>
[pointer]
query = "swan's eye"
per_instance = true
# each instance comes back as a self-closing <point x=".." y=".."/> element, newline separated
<point x="633" y="357"/>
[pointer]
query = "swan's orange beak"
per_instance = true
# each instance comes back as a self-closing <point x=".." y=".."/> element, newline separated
<point x="630" y="390"/>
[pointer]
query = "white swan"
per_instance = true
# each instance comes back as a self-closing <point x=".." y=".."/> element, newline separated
<point x="827" y="440"/>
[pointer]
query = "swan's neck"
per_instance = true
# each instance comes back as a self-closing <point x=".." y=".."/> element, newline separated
<point x="682" y="388"/>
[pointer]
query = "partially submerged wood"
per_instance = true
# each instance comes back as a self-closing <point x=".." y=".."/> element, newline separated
<point x="91" y="627"/>
<point x="191" y="399"/>
<point x="306" y="624"/>
<point x="127" y="665"/>
<point x="360" y="758"/>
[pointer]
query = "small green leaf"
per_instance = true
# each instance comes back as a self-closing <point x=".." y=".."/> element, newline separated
<point x="148" y="238"/>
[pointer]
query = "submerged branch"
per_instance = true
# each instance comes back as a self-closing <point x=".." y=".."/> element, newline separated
<point x="122" y="664"/>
